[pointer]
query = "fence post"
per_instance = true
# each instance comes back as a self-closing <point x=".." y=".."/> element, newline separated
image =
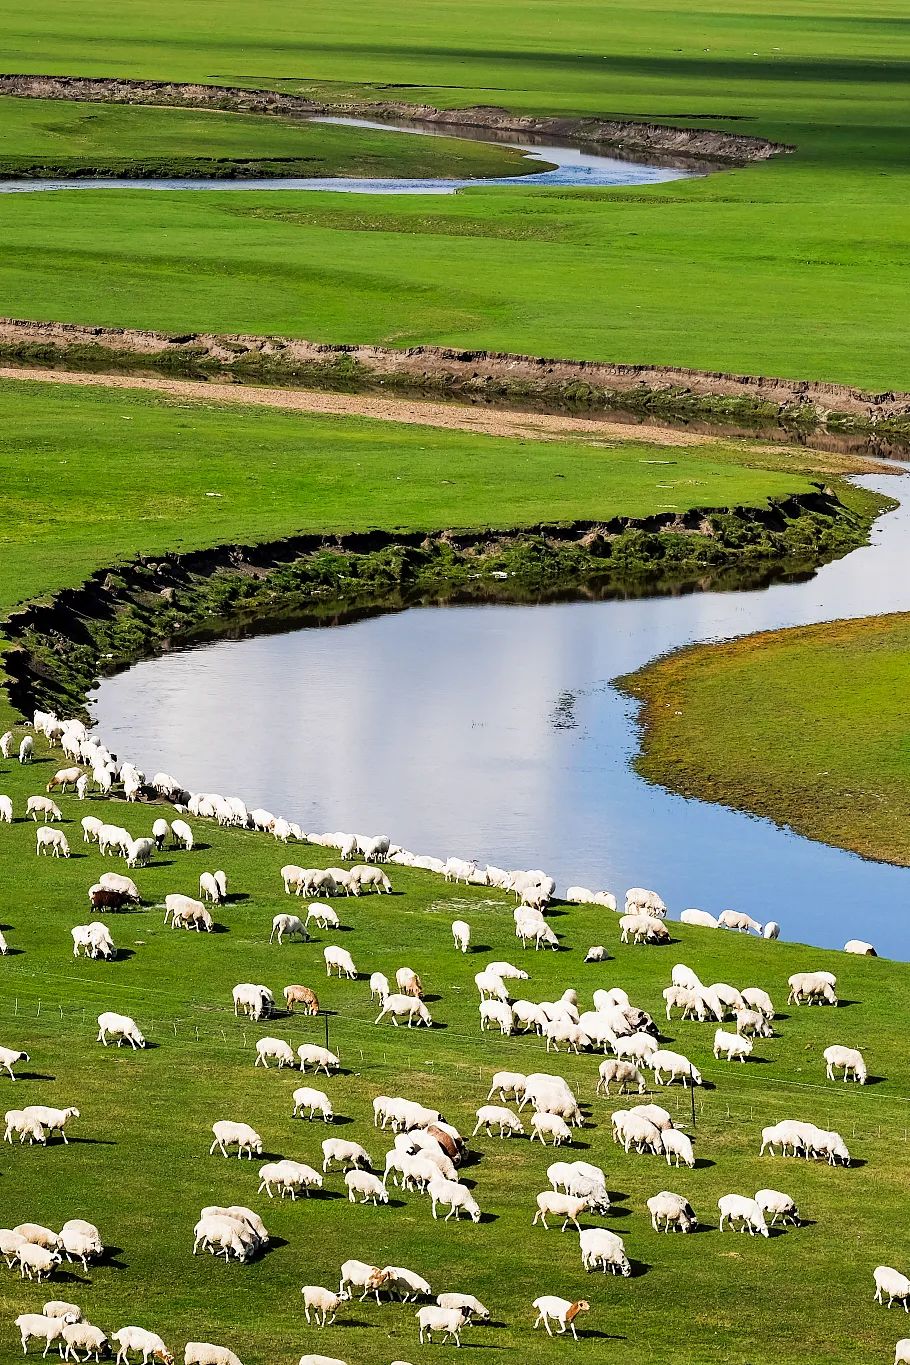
<point x="692" y="1098"/>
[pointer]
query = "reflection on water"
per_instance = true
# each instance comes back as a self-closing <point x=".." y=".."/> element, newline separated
<point x="493" y="732"/>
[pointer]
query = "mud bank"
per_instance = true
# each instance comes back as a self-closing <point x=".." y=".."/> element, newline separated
<point x="468" y="376"/>
<point x="619" y="133"/>
<point x="60" y="647"/>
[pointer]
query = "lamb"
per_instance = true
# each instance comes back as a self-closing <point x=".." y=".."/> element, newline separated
<point x="284" y="926"/>
<point x="239" y="1135"/>
<point x="323" y="1302"/>
<point x="121" y="1027"/>
<point x="731" y="1045"/>
<point x="508" y="1083"/>
<point x="301" y="995"/>
<point x="738" y="921"/>
<point x="341" y="960"/>
<point x="850" y="1059"/>
<point x="407" y="1007"/>
<point x="314" y="1101"/>
<point x="204" y="1353"/>
<point x="552" y="1126"/>
<point x="457" y="1196"/>
<point x="36" y="1263"/>
<point x="7" y="739"/>
<point x="51" y="1120"/>
<point x="41" y="1327"/>
<point x="891" y="1282"/>
<point x="737" y="1208"/>
<point x="622" y="1074"/>
<point x="408" y="982"/>
<point x="810" y="987"/>
<point x="461" y="934"/>
<point x="564" y="1206"/>
<point x="596" y="953"/>
<point x="320" y="1058"/>
<point x="469" y="1305"/>
<point x="40" y="805"/>
<point x="550" y="1308"/>
<point x="322" y="915"/>
<point x="345" y="1153"/>
<point x="253" y="1001"/>
<point x="277" y="1048"/>
<point x="676" y="1067"/>
<point x="367" y="1186"/>
<point x="148" y="1344"/>
<point x="491" y="1116"/>
<point x="359" y="1275"/>
<point x="290" y="1177"/>
<point x="182" y="834"/>
<point x="778" y="1205"/>
<point x="53" y="839"/>
<point x="448" y="1321"/>
<point x="9" y="1057"/>
<point x="671" y="1212"/>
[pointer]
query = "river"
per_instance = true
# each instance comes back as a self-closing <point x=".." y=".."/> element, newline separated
<point x="494" y="732"/>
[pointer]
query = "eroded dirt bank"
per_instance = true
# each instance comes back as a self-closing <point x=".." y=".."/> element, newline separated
<point x="472" y="376"/>
<point x="621" y="133"/>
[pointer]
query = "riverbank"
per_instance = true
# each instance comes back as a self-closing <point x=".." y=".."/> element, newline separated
<point x="806" y="727"/>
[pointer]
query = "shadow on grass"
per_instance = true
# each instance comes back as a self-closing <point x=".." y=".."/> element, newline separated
<point x="76" y="1141"/>
<point x="123" y="954"/>
<point x="34" y="1076"/>
<point x="703" y="1163"/>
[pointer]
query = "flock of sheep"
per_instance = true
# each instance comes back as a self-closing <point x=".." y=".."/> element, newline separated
<point x="427" y="1152"/>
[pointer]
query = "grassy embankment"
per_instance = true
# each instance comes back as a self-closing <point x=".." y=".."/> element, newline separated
<point x="55" y="138"/>
<point x="137" y="1162"/>
<point x="807" y="727"/>
<point x="792" y="267"/>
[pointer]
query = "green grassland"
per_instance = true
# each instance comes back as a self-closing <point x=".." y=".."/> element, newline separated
<point x="794" y="266"/>
<point x="137" y="1162"/>
<point x="59" y="137"/>
<point x="805" y="726"/>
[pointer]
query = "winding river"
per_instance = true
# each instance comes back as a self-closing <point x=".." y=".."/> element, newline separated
<point x="494" y="732"/>
<point x="566" y="165"/>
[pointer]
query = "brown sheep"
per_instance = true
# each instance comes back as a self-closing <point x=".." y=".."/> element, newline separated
<point x="301" y="995"/>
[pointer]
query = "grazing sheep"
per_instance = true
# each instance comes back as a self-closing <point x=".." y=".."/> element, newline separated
<point x="490" y="1116"/>
<point x="731" y="1045"/>
<point x="239" y="1135"/>
<point x="565" y="1206"/>
<point x="810" y="988"/>
<point x="902" y="1352"/>
<point x="204" y="1353"/>
<point x="737" y="1208"/>
<point x="622" y="1074"/>
<point x="508" y="1083"/>
<point x="860" y="947"/>
<point x="345" y="1153"/>
<point x="315" y="1101"/>
<point x="642" y="929"/>
<point x="359" y="1275"/>
<point x="636" y="1130"/>
<point x="251" y="1000"/>
<point x="738" y="921"/>
<point x="379" y="987"/>
<point x="94" y="940"/>
<point x="404" y="1007"/>
<point x="121" y="1027"/>
<point x="701" y="918"/>
<point x="752" y="1023"/>
<point x="496" y="1013"/>
<point x="148" y="1344"/>
<point x="320" y="1058"/>
<point x="323" y="1302"/>
<point x="637" y="1047"/>
<point x="778" y="1205"/>
<point x="408" y="982"/>
<point x="301" y="995"/>
<point x="290" y="1177"/>
<point x="891" y="1282"/>
<point x="407" y="1284"/>
<point x="581" y="1179"/>
<point x="850" y="1059"/>
<point x="684" y="999"/>
<point x="671" y="1212"/>
<point x="605" y="1251"/>
<point x="676" y="1067"/>
<point x="771" y="929"/>
<point x="139" y="852"/>
<point x="59" y="1308"/>
<point x="322" y="915"/>
<point x="448" y="1321"/>
<point x="597" y="953"/>
<point x="41" y="1327"/>
<point x="182" y="835"/>
<point x="277" y="1048"/>
<point x="7" y="739"/>
<point x="341" y="960"/>
<point x="679" y="1146"/>
<point x="51" y="1120"/>
<point x="550" y="1308"/>
<point x="36" y="1262"/>
<point x="365" y="1188"/>
<point x="458" y="1197"/>
<point x="26" y="749"/>
<point x="116" y="881"/>
<point x="467" y="1303"/>
<point x="53" y="839"/>
<point x="642" y="902"/>
<point x="369" y="879"/>
<point x="284" y="926"/>
<point x="759" y="1000"/>
<point x="9" y="1057"/>
<point x="209" y="889"/>
<point x="552" y="1126"/>
<point x="461" y="934"/>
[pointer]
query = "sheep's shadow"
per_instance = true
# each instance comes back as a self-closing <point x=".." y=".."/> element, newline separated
<point x="703" y="1163"/>
<point x="592" y="1334"/>
<point x="76" y="1141"/>
<point x="639" y="1268"/>
<point x="32" y="1076"/>
<point x="123" y="954"/>
<point x="488" y="1218"/>
<point x="108" y="1258"/>
<point x="235" y="897"/>
<point x="13" y="952"/>
<point x="618" y="1212"/>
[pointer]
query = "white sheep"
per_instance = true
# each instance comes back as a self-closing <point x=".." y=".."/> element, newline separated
<point x="850" y="1059"/>
<point x="550" y="1125"/>
<point x="345" y="1153"/>
<point x="51" y="1120"/>
<point x="731" y="1045"/>
<point x="204" y="1353"/>
<point x="580" y="1178"/>
<point x="448" y="1321"/>
<point x="671" y="1212"/>
<point x="779" y="1205"/>
<point x="254" y="1001"/>
<point x="40" y="1327"/>
<point x="276" y="1048"/>
<point x="290" y="1178"/>
<point x="759" y="1000"/>
<point x="811" y="987"/>
<point x="35" y="1262"/>
<point x="490" y="1116"/>
<point x="458" y="1197"/>
<point x="7" y="739"/>
<point x="148" y="1344"/>
<point x="285" y="926"/>
<point x="604" y="1250"/>
<point x="752" y="1023"/>
<point x="59" y="1308"/>
<point x="675" y="1066"/>
<point x="209" y="889"/>
<point x="491" y="986"/>
<point x="568" y="1207"/>
<point x="469" y="1305"/>
<point x="496" y="1013"/>
<point x="182" y="834"/>
<point x="315" y="1101"/>
<point x="622" y="1073"/>
<point x="700" y="918"/>
<point x="365" y="1188"/>
<point x="319" y="1058"/>
<point x="891" y="1282"/>
<point x="379" y="987"/>
<point x="461" y="932"/>
<point x="408" y="1007"/>
<point x="551" y="1308"/>
<point x="636" y="1130"/>
<point x="239" y="1135"/>
<point x="359" y="1275"/>
<point x="323" y="1302"/>
<point x="738" y="1208"/>
<point x="339" y="959"/>
<point x="860" y="948"/>
<point x="121" y="1027"/>
<point x="679" y="1146"/>
<point x="407" y="1284"/>
<point x="9" y="1057"/>
<point x="508" y="1083"/>
<point x="322" y="915"/>
<point x="738" y="921"/>
<point x="53" y="839"/>
<point x="26" y="749"/>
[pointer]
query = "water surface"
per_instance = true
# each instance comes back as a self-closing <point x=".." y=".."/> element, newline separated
<point x="494" y="732"/>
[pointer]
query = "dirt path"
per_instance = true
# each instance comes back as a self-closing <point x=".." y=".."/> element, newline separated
<point x="409" y="411"/>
